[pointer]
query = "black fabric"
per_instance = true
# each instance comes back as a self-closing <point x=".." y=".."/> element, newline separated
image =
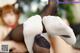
<point x="66" y="36"/>
<point x="76" y="28"/>
<point x="41" y="41"/>
<point x="16" y="34"/>
<point x="44" y="29"/>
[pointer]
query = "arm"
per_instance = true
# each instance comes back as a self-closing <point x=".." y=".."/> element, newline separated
<point x="2" y="36"/>
<point x="14" y="46"/>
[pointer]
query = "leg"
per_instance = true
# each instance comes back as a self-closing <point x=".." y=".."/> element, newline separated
<point x="41" y="45"/>
<point x="60" y="46"/>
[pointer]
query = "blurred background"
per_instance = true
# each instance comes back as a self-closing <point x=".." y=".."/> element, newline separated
<point x="69" y="10"/>
<point x="32" y="7"/>
<point x="41" y="7"/>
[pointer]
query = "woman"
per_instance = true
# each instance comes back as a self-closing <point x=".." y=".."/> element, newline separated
<point x="9" y="17"/>
<point x="59" y="36"/>
<point x="15" y="39"/>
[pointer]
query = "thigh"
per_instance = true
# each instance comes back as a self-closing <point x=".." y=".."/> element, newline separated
<point x="60" y="46"/>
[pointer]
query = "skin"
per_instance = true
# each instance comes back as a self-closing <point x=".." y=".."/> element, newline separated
<point x="10" y="21"/>
<point x="17" y="36"/>
<point x="15" y="46"/>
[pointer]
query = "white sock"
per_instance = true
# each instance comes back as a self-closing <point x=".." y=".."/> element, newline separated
<point x="56" y="26"/>
<point x="31" y="28"/>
